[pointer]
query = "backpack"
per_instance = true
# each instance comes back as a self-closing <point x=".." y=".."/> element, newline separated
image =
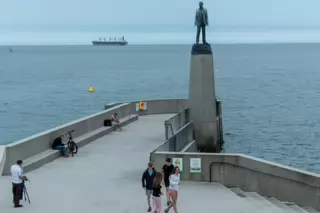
<point x="107" y="122"/>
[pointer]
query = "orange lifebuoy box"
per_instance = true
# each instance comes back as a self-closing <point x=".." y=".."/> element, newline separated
<point x="141" y="106"/>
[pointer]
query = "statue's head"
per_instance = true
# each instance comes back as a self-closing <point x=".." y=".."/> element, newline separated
<point x="201" y="4"/>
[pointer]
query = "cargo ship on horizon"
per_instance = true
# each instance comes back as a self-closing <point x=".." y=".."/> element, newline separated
<point x="111" y="42"/>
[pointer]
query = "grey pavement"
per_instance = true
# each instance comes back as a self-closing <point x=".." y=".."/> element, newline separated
<point x="105" y="176"/>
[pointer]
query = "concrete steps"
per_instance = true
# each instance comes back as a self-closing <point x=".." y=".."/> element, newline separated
<point x="262" y="203"/>
<point x="270" y="203"/>
<point x="310" y="209"/>
<point x="295" y="208"/>
<point x="279" y="204"/>
<point x="256" y="201"/>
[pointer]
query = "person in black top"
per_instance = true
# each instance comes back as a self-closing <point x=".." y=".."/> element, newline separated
<point x="167" y="170"/>
<point x="147" y="182"/>
<point x="157" y="193"/>
<point x="58" y="145"/>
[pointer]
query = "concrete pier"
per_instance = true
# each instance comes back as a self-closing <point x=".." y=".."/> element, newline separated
<point x="105" y="175"/>
<point x="202" y="100"/>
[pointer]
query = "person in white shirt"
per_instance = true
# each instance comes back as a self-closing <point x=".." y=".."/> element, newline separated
<point x="17" y="183"/>
<point x="173" y="189"/>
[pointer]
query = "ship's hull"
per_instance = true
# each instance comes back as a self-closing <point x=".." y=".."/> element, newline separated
<point x="109" y="43"/>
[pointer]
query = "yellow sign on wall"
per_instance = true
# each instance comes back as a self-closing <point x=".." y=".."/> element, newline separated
<point x="178" y="162"/>
<point x="141" y="106"/>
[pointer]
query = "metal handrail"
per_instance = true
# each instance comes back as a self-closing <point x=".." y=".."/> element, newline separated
<point x="210" y="178"/>
<point x="171" y="128"/>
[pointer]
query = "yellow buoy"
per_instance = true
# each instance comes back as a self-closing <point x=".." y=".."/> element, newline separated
<point x="91" y="89"/>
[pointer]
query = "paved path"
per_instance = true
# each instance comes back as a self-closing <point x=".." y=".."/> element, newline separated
<point x="105" y="174"/>
<point x="106" y="177"/>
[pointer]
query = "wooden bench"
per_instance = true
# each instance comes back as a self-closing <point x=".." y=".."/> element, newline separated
<point x="49" y="155"/>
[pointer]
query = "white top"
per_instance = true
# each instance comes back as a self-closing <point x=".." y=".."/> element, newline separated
<point x="174" y="182"/>
<point x="16" y="172"/>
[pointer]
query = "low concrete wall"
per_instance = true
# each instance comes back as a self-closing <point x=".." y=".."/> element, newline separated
<point x="2" y="157"/>
<point x="28" y="147"/>
<point x="176" y="122"/>
<point x="161" y="106"/>
<point x="166" y="106"/>
<point x="251" y="174"/>
<point x="110" y="105"/>
<point x="33" y="145"/>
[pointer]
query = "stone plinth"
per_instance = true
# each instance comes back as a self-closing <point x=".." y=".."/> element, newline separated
<point x="202" y="98"/>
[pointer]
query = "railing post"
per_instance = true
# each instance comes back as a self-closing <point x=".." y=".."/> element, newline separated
<point x="166" y="130"/>
<point x="187" y="116"/>
<point x="172" y="132"/>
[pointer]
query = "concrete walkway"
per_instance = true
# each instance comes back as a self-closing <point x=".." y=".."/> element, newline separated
<point x="106" y="177"/>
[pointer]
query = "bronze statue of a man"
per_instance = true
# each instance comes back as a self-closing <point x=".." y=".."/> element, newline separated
<point x="201" y="21"/>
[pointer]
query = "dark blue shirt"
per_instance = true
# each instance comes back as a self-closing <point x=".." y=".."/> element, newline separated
<point x="147" y="178"/>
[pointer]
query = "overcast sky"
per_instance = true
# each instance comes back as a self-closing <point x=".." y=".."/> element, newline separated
<point x="181" y="12"/>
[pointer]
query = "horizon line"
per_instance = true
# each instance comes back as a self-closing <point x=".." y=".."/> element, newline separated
<point x="166" y="44"/>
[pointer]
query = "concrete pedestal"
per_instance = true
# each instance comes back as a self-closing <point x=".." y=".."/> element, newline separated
<point x="202" y="101"/>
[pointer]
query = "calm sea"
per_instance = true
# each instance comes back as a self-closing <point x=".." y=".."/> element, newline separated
<point x="270" y="92"/>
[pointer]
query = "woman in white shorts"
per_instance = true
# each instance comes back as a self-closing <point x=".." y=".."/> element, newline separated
<point x="173" y="189"/>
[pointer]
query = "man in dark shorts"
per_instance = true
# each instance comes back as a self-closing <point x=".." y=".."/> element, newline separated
<point x="167" y="170"/>
<point x="147" y="182"/>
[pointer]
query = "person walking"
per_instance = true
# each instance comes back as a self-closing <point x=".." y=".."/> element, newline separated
<point x="147" y="182"/>
<point x="173" y="189"/>
<point x="17" y="183"/>
<point x="167" y="170"/>
<point x="156" y="193"/>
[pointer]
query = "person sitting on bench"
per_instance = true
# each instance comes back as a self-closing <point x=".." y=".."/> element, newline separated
<point x="115" y="122"/>
<point x="58" y="145"/>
